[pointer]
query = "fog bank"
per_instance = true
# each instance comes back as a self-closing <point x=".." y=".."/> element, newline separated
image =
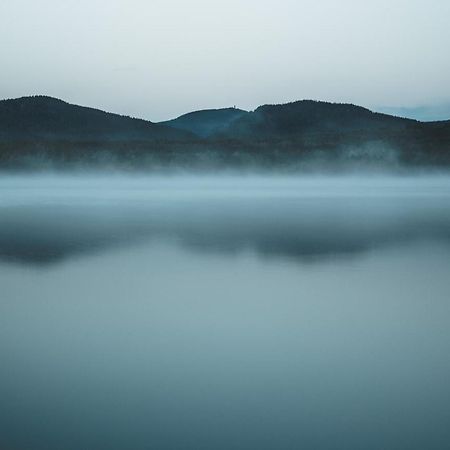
<point x="48" y="218"/>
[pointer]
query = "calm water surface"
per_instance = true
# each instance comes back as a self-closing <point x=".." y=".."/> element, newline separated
<point x="224" y="313"/>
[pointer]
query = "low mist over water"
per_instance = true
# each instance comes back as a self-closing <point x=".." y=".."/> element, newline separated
<point x="227" y="312"/>
<point x="48" y="219"/>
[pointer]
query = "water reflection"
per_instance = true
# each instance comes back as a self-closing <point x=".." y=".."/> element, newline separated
<point x="151" y="336"/>
<point x="45" y="220"/>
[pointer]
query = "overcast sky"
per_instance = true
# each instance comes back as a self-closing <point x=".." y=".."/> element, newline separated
<point x="157" y="59"/>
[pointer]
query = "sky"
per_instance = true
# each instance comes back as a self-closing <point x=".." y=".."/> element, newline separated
<point x="157" y="59"/>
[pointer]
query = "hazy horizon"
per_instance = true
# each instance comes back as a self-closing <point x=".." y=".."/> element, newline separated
<point x="157" y="60"/>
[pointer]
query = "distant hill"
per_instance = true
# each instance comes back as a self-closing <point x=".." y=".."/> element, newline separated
<point x="41" y="132"/>
<point x="206" y="122"/>
<point x="47" y="118"/>
<point x="309" y="116"/>
<point x="310" y="132"/>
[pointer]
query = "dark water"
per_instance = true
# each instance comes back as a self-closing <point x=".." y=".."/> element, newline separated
<point x="230" y="313"/>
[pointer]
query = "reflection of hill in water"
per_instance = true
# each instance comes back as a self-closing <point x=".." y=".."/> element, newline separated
<point x="295" y="219"/>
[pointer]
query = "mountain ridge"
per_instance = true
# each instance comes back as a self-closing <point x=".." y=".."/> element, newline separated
<point x="38" y="130"/>
<point x="43" y="116"/>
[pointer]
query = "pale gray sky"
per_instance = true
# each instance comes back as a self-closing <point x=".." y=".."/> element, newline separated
<point x="157" y="59"/>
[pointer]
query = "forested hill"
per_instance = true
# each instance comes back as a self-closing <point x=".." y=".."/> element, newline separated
<point x="206" y="122"/>
<point x="308" y="116"/>
<point x="43" y="118"/>
<point x="38" y="132"/>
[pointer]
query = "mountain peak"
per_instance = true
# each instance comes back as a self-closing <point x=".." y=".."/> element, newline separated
<point x="36" y="99"/>
<point x="42" y="116"/>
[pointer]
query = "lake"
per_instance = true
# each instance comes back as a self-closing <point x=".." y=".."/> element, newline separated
<point x="224" y="312"/>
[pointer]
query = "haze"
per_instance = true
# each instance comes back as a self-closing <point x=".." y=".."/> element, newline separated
<point x="159" y="59"/>
<point x="299" y="218"/>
